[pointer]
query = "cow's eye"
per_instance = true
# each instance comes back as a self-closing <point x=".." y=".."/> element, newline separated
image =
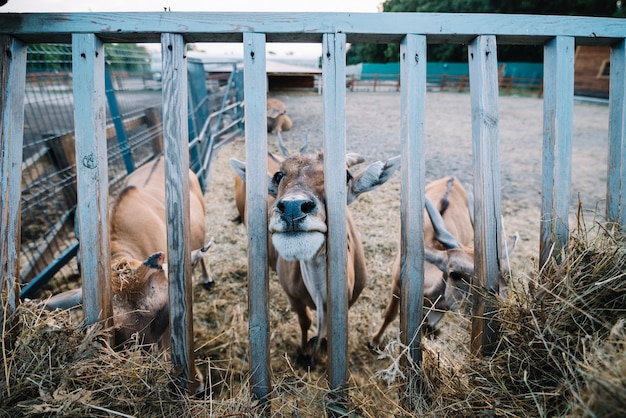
<point x="278" y="176"/>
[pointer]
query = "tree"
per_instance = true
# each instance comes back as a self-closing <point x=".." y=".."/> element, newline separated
<point x="458" y="53"/>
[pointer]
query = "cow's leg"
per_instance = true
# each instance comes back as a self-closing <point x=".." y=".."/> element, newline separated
<point x="207" y="279"/>
<point x="304" y="357"/>
<point x="391" y="312"/>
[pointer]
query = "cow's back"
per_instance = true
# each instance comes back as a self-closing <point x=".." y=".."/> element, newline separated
<point x="138" y="215"/>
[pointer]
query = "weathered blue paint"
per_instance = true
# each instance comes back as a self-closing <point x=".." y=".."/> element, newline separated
<point x="616" y="181"/>
<point x="334" y="112"/>
<point x="255" y="88"/>
<point x="12" y="84"/>
<point x="92" y="174"/>
<point x="309" y="27"/>
<point x="413" y="110"/>
<point x="558" y="110"/>
<point x="176" y="152"/>
<point x="483" y="65"/>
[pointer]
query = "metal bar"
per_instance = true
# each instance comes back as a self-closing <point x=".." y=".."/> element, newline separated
<point x="31" y="289"/>
<point x="483" y="68"/>
<point x="255" y="87"/>
<point x="92" y="174"/>
<point x="118" y="122"/>
<point x="616" y="176"/>
<point x="558" y="110"/>
<point x="334" y="103"/>
<point x="12" y="85"/>
<point x="176" y="151"/>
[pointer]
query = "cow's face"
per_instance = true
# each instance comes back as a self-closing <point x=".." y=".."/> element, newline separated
<point x="460" y="269"/>
<point x="140" y="299"/>
<point x="298" y="216"/>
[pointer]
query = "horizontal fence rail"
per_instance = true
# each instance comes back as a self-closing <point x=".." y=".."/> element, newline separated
<point x="414" y="31"/>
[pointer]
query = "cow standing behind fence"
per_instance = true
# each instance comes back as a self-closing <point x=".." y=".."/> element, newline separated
<point x="448" y="255"/>
<point x="138" y="240"/>
<point x="298" y="227"/>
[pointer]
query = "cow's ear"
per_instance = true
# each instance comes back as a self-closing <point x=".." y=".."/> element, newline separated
<point x="353" y="159"/>
<point x="239" y="168"/>
<point x="372" y="177"/>
<point x="155" y="261"/>
<point x="273" y="182"/>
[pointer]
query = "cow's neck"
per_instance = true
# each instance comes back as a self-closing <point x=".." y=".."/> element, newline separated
<point x="314" y="276"/>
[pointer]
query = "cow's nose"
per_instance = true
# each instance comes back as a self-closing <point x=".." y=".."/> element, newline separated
<point x="294" y="209"/>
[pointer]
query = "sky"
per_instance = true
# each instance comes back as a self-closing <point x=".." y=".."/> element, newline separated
<point x="276" y="50"/>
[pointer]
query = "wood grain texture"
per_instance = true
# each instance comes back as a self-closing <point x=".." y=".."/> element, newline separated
<point x="12" y="84"/>
<point x="310" y="27"/>
<point x="413" y="109"/>
<point x="558" y="110"/>
<point x="92" y="174"/>
<point x="255" y="88"/>
<point x="616" y="178"/>
<point x="334" y="110"/>
<point x="176" y="151"/>
<point x="483" y="67"/>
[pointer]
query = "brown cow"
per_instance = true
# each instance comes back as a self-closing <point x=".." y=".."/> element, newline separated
<point x="298" y="228"/>
<point x="448" y="253"/>
<point x="277" y="119"/>
<point x="138" y="238"/>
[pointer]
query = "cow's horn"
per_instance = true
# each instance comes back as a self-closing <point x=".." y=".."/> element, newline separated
<point x="441" y="233"/>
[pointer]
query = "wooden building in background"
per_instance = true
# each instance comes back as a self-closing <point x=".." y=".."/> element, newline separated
<point x="591" y="71"/>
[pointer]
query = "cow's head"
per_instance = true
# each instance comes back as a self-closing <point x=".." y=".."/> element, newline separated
<point x="456" y="261"/>
<point x="298" y="217"/>
<point x="141" y="298"/>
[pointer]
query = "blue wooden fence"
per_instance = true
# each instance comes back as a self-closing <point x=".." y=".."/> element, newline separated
<point x="413" y="31"/>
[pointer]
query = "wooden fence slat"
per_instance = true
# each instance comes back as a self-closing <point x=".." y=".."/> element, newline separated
<point x="176" y="151"/>
<point x="12" y="85"/>
<point x="309" y="27"/>
<point x="255" y="88"/>
<point x="334" y="112"/>
<point x="483" y="68"/>
<point x="616" y="176"/>
<point x="92" y="174"/>
<point x="412" y="108"/>
<point x="558" y="109"/>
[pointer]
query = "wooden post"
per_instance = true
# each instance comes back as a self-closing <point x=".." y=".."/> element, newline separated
<point x="176" y="151"/>
<point x="483" y="66"/>
<point x="92" y="175"/>
<point x="558" y="110"/>
<point x="255" y="87"/>
<point x="413" y="109"/>
<point x="12" y="85"/>
<point x="616" y="182"/>
<point x="334" y="101"/>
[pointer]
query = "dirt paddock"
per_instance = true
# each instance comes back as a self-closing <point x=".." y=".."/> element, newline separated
<point x="373" y="130"/>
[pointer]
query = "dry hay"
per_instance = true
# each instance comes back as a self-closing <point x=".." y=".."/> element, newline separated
<point x="560" y="354"/>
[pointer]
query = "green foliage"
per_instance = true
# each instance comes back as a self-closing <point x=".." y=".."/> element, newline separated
<point x="128" y="57"/>
<point x="380" y="53"/>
